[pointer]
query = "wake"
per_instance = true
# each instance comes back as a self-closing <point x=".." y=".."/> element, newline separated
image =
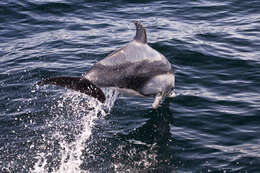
<point x="69" y="129"/>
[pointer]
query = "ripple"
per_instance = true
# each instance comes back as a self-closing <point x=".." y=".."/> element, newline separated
<point x="211" y="125"/>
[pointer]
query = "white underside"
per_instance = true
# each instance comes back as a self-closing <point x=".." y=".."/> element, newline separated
<point x="159" y="86"/>
<point x="128" y="92"/>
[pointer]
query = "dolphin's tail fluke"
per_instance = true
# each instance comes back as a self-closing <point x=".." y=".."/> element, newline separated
<point x="79" y="84"/>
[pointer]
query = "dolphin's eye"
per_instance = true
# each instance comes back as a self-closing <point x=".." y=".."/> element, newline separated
<point x="171" y="93"/>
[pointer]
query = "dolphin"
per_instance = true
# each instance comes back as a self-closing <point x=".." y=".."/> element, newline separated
<point x="135" y="69"/>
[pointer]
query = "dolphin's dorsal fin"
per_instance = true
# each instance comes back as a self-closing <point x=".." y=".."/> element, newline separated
<point x="140" y="33"/>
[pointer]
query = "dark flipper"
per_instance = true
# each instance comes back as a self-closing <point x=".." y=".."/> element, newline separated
<point x="78" y="84"/>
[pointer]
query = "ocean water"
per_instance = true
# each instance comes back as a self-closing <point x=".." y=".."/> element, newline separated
<point x="212" y="125"/>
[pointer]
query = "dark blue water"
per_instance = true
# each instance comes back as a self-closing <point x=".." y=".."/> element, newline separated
<point x="212" y="125"/>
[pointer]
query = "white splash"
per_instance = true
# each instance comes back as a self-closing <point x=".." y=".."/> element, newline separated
<point x="83" y="114"/>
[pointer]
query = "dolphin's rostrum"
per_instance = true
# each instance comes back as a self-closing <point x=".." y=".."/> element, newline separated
<point x="136" y="69"/>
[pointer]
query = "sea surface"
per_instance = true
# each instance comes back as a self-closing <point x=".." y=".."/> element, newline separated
<point x="212" y="125"/>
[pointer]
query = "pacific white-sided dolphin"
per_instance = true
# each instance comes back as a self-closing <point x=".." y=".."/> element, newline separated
<point x="135" y="68"/>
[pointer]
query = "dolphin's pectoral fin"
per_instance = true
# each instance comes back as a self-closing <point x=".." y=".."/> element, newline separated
<point x="157" y="100"/>
<point x="82" y="85"/>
